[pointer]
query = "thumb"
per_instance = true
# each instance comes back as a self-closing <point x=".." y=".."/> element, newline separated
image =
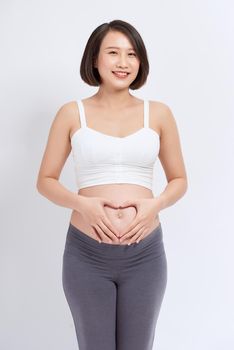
<point x="111" y="203"/>
<point x="126" y="204"/>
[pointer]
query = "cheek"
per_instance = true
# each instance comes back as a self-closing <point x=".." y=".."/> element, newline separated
<point x="106" y="60"/>
<point x="105" y="65"/>
<point x="136" y="65"/>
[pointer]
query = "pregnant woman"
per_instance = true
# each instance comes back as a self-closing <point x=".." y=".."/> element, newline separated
<point x="114" y="264"/>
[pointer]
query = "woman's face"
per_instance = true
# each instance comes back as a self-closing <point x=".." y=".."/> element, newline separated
<point x="116" y="53"/>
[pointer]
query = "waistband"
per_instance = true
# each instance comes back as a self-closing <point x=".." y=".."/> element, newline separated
<point x="78" y="236"/>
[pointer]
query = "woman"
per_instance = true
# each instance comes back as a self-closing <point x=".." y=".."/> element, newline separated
<point x="114" y="262"/>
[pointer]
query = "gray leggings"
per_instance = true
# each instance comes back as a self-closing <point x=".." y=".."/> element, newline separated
<point x="114" y="291"/>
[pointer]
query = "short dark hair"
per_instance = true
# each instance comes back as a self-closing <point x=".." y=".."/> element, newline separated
<point x="90" y="74"/>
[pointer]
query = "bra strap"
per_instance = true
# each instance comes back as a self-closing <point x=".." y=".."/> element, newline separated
<point x="82" y="114"/>
<point x="146" y="113"/>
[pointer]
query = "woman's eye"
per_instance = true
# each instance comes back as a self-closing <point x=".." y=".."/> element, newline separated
<point x="132" y="53"/>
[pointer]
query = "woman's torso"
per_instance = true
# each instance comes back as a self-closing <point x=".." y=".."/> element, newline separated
<point x="132" y="121"/>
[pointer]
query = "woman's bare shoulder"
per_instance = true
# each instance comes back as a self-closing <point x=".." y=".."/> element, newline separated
<point x="68" y="109"/>
<point x="161" y="115"/>
<point x="159" y="107"/>
<point x="68" y="114"/>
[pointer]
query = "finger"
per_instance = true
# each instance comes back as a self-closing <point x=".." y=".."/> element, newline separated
<point x="138" y="237"/>
<point x="124" y="204"/>
<point x="131" y="233"/>
<point x="135" y="223"/>
<point x="110" y="234"/>
<point x="134" y="237"/>
<point x="130" y="227"/>
<point x="110" y="227"/>
<point x="139" y="219"/>
<point x="127" y="204"/>
<point x="111" y="204"/>
<point x="94" y="232"/>
<point x="107" y="231"/>
<point x="104" y="236"/>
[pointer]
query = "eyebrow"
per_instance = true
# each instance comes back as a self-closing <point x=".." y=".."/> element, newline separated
<point x="116" y="47"/>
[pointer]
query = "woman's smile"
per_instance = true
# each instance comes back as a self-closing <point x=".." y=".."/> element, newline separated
<point x="120" y="75"/>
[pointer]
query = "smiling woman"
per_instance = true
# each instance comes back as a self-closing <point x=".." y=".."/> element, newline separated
<point x="114" y="289"/>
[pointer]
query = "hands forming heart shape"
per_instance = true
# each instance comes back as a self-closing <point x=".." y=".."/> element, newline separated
<point x="123" y="221"/>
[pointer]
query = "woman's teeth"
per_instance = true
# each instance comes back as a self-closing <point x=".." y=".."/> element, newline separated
<point x="119" y="74"/>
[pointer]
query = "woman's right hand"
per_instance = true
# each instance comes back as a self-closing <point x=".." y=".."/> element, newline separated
<point x="92" y="210"/>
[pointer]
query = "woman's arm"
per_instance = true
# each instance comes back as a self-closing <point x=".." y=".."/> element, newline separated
<point x="55" y="155"/>
<point x="171" y="158"/>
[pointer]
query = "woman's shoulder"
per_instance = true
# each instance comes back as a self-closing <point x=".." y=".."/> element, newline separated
<point x="67" y="111"/>
<point x="161" y="114"/>
<point x="158" y="106"/>
<point x="68" y="107"/>
<point x="160" y="109"/>
<point x="67" y="116"/>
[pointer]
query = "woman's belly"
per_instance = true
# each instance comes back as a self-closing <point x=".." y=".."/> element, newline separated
<point x="120" y="218"/>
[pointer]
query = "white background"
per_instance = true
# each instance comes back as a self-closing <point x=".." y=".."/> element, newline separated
<point x="190" y="49"/>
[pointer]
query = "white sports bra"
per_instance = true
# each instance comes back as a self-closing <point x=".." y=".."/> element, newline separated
<point x="103" y="159"/>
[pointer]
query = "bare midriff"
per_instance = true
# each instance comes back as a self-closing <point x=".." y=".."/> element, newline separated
<point x="120" y="218"/>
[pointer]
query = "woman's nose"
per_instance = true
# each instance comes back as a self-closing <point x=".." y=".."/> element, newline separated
<point x="122" y="61"/>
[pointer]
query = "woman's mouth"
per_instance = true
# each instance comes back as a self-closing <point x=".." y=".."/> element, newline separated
<point x="121" y="75"/>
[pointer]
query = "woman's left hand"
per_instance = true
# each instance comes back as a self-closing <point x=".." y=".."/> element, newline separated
<point x="147" y="210"/>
